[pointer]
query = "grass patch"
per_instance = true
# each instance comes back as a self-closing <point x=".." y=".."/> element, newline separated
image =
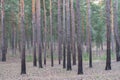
<point x="85" y="56"/>
<point x="102" y="57"/>
<point x="29" y="58"/>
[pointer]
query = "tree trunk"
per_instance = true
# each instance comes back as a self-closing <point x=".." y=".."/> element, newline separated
<point x="112" y="30"/>
<point x="19" y="45"/>
<point x="45" y="32"/>
<point x="64" y="35"/>
<point x="27" y="36"/>
<point x="116" y="29"/>
<point x="3" y="32"/>
<point x="79" y="40"/>
<point x="38" y="24"/>
<point x="89" y="50"/>
<point x="51" y="33"/>
<point x="34" y="33"/>
<point x="73" y="33"/>
<point x="23" y="63"/>
<point x="59" y="32"/>
<point x="13" y="34"/>
<point x="108" y="24"/>
<point x="117" y="52"/>
<point x="68" y="36"/>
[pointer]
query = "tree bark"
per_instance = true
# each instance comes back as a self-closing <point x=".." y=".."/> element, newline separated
<point x="112" y="30"/>
<point x="108" y="24"/>
<point x="79" y="38"/>
<point x="69" y="67"/>
<point x="73" y="33"/>
<point x="51" y="33"/>
<point x="89" y="50"/>
<point x="64" y="35"/>
<point x="23" y="63"/>
<point x="59" y="32"/>
<point x="45" y="32"/>
<point x="13" y="34"/>
<point x="38" y="24"/>
<point x="116" y="29"/>
<point x="3" y="47"/>
<point x="117" y="52"/>
<point x="34" y="33"/>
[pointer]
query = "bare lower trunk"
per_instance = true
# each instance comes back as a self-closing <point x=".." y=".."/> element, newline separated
<point x="69" y="67"/>
<point x="116" y="30"/>
<point x="64" y="56"/>
<point x="23" y="63"/>
<point x="108" y="24"/>
<point x="73" y="33"/>
<point x="64" y="35"/>
<point x="51" y="33"/>
<point x="38" y="24"/>
<point x="89" y="48"/>
<point x="117" y="52"/>
<point x="45" y="32"/>
<point x="3" y="47"/>
<point x="79" y="40"/>
<point x="13" y="35"/>
<point x="59" y="33"/>
<point x="34" y="34"/>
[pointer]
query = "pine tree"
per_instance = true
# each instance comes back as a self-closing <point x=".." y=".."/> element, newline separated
<point x="38" y="24"/>
<point x="89" y="50"/>
<point x="79" y="38"/>
<point x="59" y="32"/>
<point x="23" y="63"/>
<point x="51" y="33"/>
<point x="34" y="33"/>
<point x="69" y="67"/>
<point x="108" y="24"/>
<point x="3" y="32"/>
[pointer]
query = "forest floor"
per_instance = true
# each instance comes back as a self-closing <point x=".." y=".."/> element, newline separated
<point x="10" y="70"/>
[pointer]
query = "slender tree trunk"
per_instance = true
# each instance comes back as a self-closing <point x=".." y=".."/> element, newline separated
<point x="73" y="33"/>
<point x="89" y="33"/>
<point x="79" y="40"/>
<point x="23" y="63"/>
<point x="27" y="36"/>
<point x="38" y="21"/>
<point x="19" y="45"/>
<point x="116" y="30"/>
<point x="102" y="45"/>
<point x="64" y="36"/>
<point x="108" y="24"/>
<point x="3" y="32"/>
<point x="69" y="67"/>
<point x="112" y="30"/>
<point x="59" y="32"/>
<point x="15" y="40"/>
<point x="117" y="52"/>
<point x="45" y="32"/>
<point x="51" y="33"/>
<point x="34" y="33"/>
<point x="83" y="33"/>
<point x="13" y="35"/>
